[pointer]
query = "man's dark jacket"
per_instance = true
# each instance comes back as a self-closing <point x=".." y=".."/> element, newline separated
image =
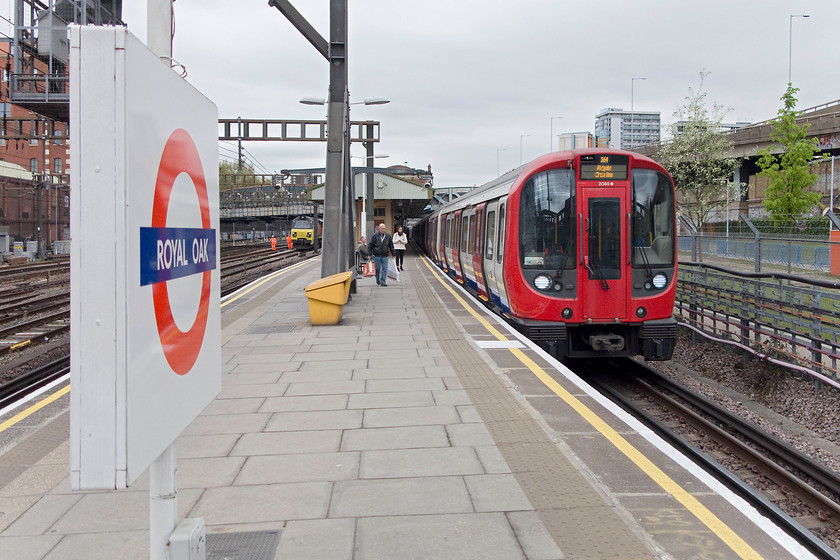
<point x="380" y="247"/>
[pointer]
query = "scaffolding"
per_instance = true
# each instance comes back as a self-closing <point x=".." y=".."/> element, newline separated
<point x="39" y="80"/>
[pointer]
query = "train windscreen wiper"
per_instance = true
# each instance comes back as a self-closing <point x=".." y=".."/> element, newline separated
<point x="595" y="271"/>
<point x="637" y="217"/>
<point x="565" y="258"/>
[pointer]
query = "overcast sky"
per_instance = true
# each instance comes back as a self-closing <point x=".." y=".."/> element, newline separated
<point x="467" y="78"/>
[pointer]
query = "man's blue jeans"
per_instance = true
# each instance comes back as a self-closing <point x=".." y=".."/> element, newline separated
<point x="381" y="264"/>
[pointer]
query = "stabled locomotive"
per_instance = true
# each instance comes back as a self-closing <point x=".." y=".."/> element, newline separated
<point x="304" y="231"/>
<point x="576" y="249"/>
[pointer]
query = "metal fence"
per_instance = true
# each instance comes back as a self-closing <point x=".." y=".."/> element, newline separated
<point x="762" y="246"/>
<point x="787" y="319"/>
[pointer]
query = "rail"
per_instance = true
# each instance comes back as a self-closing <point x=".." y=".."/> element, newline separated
<point x="787" y="319"/>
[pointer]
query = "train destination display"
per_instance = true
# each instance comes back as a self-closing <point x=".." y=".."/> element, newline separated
<point x="603" y="167"/>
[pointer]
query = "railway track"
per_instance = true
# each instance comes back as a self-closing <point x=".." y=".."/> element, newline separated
<point x="27" y="318"/>
<point x="797" y="492"/>
<point x="33" y="380"/>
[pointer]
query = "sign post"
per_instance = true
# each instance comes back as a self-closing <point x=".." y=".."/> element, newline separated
<point x="146" y="327"/>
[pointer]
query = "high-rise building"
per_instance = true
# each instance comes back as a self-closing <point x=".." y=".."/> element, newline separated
<point x="617" y="128"/>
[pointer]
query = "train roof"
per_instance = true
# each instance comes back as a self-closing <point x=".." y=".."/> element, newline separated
<point x="503" y="184"/>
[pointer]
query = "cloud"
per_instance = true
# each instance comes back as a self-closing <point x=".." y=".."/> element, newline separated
<point x="468" y="77"/>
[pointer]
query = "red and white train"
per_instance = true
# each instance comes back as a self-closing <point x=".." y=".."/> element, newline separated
<point x="576" y="249"/>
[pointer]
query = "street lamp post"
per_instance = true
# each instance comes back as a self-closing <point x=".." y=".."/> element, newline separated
<point x="498" y="173"/>
<point x="350" y="196"/>
<point x="790" y="43"/>
<point x="551" y="143"/>
<point x="521" y="136"/>
<point x="632" y="112"/>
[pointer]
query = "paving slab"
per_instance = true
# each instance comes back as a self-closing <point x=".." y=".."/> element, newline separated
<point x="408" y="437"/>
<point x="477" y="536"/>
<point x="263" y="503"/>
<point x="301" y="467"/>
<point x="401" y="463"/>
<point x="314" y="420"/>
<point x="403" y="496"/>
<point x="277" y="443"/>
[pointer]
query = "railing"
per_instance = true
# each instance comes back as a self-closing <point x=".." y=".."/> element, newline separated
<point x="789" y="320"/>
<point x="795" y="254"/>
<point x="41" y="88"/>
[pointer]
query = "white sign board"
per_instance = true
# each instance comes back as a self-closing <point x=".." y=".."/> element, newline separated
<point x="145" y="315"/>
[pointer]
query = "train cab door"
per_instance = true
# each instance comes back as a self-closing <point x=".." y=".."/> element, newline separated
<point x="603" y="284"/>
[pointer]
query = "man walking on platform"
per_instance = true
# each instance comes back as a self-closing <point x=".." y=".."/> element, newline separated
<point x="379" y="246"/>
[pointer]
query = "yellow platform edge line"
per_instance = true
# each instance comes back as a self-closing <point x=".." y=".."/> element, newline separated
<point x="251" y="287"/>
<point x="34" y="408"/>
<point x="698" y="510"/>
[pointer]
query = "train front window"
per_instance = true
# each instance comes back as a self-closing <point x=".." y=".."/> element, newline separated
<point x="604" y="238"/>
<point x="547" y="220"/>
<point x="653" y="219"/>
<point x="302" y="224"/>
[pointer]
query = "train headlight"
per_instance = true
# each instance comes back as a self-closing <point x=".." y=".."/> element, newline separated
<point x="308" y="234"/>
<point x="641" y="312"/>
<point x="294" y="234"/>
<point x="542" y="282"/>
<point x="659" y="281"/>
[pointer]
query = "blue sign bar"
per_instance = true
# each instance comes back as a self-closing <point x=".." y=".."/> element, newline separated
<point x="169" y="253"/>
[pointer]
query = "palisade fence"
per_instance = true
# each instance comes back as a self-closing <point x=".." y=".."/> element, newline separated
<point x="736" y="289"/>
<point x="797" y="245"/>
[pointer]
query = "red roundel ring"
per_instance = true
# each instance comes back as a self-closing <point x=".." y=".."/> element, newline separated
<point x="180" y="348"/>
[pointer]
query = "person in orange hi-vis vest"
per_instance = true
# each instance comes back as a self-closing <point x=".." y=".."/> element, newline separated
<point x="289" y="242"/>
<point x="273" y="243"/>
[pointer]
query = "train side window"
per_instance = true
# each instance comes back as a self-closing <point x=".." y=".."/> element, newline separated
<point x="491" y="234"/>
<point x="465" y="233"/>
<point x="447" y="239"/>
<point x="501" y="240"/>
<point x="473" y="226"/>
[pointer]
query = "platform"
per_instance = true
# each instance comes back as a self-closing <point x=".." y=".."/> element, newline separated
<point x="418" y="427"/>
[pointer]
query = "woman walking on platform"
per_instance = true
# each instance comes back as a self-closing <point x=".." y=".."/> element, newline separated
<point x="400" y="240"/>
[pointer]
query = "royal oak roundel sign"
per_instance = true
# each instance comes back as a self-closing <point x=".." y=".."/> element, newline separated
<point x="167" y="253"/>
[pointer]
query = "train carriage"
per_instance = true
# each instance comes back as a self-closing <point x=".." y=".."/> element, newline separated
<point x="576" y="249"/>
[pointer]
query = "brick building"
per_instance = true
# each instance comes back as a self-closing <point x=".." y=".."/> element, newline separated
<point x="34" y="159"/>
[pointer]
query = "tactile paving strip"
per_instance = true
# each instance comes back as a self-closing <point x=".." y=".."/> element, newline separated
<point x="578" y="518"/>
<point x="34" y="448"/>
<point x="254" y="545"/>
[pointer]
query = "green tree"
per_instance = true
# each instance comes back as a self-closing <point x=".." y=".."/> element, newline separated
<point x="787" y="197"/>
<point x="696" y="159"/>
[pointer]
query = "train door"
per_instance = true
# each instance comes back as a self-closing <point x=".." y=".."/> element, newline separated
<point x="603" y="286"/>
<point x="456" y="249"/>
<point x="489" y="252"/>
<point x="431" y="239"/>
<point x="465" y="253"/>
<point x="446" y="244"/>
<point x="436" y="237"/>
<point x="499" y="259"/>
<point x="478" y="252"/>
